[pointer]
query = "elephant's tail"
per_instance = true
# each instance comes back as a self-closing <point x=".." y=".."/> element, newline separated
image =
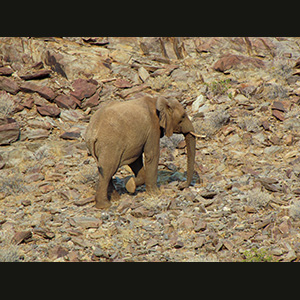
<point x="91" y="145"/>
<point x="93" y="150"/>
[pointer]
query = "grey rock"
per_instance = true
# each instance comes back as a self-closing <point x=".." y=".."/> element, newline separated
<point x="85" y="222"/>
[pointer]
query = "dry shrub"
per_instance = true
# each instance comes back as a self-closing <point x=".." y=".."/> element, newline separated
<point x="8" y="252"/>
<point x="212" y="122"/>
<point x="160" y="82"/>
<point x="249" y="123"/>
<point x="257" y="198"/>
<point x="294" y="210"/>
<point x="6" y="104"/>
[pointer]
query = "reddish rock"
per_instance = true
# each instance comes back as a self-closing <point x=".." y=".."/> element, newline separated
<point x="278" y="114"/>
<point x="93" y="101"/>
<point x="47" y="110"/>
<point x="43" y="91"/>
<point x="64" y="101"/>
<point x="21" y="236"/>
<point x="9" y="85"/>
<point x="84" y="88"/>
<point x="278" y="106"/>
<point x="6" y="71"/>
<point x="229" y="61"/>
<point x="122" y="83"/>
<point x="9" y="131"/>
<point x="36" y="75"/>
<point x="265" y="125"/>
<point x="28" y="103"/>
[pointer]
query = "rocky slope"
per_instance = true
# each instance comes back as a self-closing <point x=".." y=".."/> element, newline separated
<point x="243" y="95"/>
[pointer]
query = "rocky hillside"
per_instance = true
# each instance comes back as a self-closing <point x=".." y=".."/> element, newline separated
<point x="243" y="96"/>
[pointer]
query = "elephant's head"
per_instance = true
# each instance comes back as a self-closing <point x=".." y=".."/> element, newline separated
<point x="173" y="119"/>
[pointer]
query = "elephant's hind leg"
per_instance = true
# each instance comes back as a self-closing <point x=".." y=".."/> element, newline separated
<point x="112" y="192"/>
<point x="138" y="169"/>
<point x="105" y="187"/>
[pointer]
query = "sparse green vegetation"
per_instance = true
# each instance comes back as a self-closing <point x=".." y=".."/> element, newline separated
<point x="220" y="87"/>
<point x="257" y="255"/>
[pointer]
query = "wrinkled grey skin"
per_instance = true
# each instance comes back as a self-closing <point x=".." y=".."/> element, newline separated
<point x="121" y="132"/>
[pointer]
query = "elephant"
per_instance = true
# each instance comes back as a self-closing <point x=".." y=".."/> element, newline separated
<point x="121" y="133"/>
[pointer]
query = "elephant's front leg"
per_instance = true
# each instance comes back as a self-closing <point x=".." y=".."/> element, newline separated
<point x="151" y="153"/>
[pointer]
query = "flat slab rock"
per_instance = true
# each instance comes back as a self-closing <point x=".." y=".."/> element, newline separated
<point x="47" y="110"/>
<point x="9" y="131"/>
<point x="36" y="75"/>
<point x="85" y="222"/>
<point x="9" y="85"/>
<point x="84" y="88"/>
<point x="43" y="91"/>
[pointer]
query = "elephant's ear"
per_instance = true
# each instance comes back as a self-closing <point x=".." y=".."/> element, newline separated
<point x="165" y="115"/>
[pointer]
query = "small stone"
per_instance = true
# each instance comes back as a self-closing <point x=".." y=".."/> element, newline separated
<point x="227" y="244"/>
<point x="28" y="103"/>
<point x="289" y="140"/>
<point x="186" y="223"/>
<point x="85" y="222"/>
<point x="200" y="226"/>
<point x="208" y="194"/>
<point x="46" y="234"/>
<point x="83" y="88"/>
<point x="9" y="85"/>
<point x="284" y="227"/>
<point x="178" y="244"/>
<point x="143" y="73"/>
<point x="21" y="236"/>
<point x="6" y="71"/>
<point x="84" y="201"/>
<point x="60" y="251"/>
<point x="278" y="106"/>
<point x="249" y="209"/>
<point x="36" y="134"/>
<point x="47" y="110"/>
<point x="46" y="188"/>
<point x="92" y="101"/>
<point x="265" y="125"/>
<point x="290" y="256"/>
<point x="40" y="74"/>
<point x="277" y="251"/>
<point x="9" y="131"/>
<point x="142" y="212"/>
<point x="100" y="253"/>
<point x="279" y="115"/>
<point x="43" y="91"/>
<point x="64" y="101"/>
<point x="26" y="202"/>
<point x="199" y="242"/>
<point x="70" y="135"/>
<point x="122" y="83"/>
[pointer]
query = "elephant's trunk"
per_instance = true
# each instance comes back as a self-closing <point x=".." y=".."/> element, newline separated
<point x="190" y="141"/>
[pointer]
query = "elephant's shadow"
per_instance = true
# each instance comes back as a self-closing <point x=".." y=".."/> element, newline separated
<point x="164" y="177"/>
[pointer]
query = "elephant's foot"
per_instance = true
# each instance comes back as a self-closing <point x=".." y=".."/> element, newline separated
<point x="130" y="185"/>
<point x="101" y="204"/>
<point x="153" y="191"/>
